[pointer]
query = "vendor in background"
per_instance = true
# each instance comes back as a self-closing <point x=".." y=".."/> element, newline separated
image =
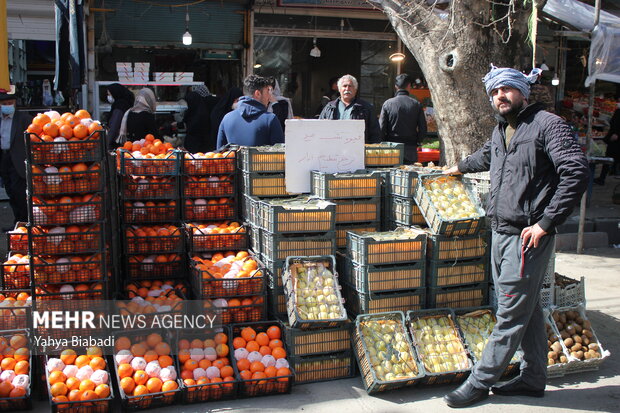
<point x="139" y="121"/>
<point x="210" y="101"/>
<point x="196" y="128"/>
<point x="227" y="103"/>
<point x="613" y="146"/>
<point x="122" y="100"/>
<point x="279" y="105"/>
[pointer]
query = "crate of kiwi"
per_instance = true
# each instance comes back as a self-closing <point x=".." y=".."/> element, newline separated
<point x="585" y="351"/>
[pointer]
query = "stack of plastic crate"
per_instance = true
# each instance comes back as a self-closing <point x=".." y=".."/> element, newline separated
<point x="384" y="271"/>
<point x="403" y="186"/>
<point x="357" y="197"/>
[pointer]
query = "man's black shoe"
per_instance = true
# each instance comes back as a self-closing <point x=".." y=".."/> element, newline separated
<point x="465" y="395"/>
<point x="517" y="387"/>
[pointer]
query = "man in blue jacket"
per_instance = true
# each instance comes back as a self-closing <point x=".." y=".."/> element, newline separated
<point x="250" y="124"/>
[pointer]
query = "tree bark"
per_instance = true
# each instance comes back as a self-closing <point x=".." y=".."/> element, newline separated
<point x="454" y="53"/>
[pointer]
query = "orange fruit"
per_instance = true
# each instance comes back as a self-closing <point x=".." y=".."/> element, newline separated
<point x="190" y="382"/>
<point x="127" y="384"/>
<point x="252" y="346"/>
<point x="18" y="341"/>
<point x="140" y="390"/>
<point x="229" y="381"/>
<point x="275" y="343"/>
<point x="196" y="343"/>
<point x="138" y="349"/>
<point x="245" y="374"/>
<point x="243" y="364"/>
<point x="150" y="356"/>
<point x="274" y="332"/>
<point x="102" y="390"/>
<point x="262" y="339"/>
<point x="22" y="367"/>
<point x="248" y="334"/>
<point x="165" y="361"/>
<point x="51" y="129"/>
<point x="58" y="389"/>
<point x="68" y="356"/>
<point x="41" y="119"/>
<point x="94" y="127"/>
<point x="264" y="350"/>
<point x="169" y="385"/>
<point x="8" y="363"/>
<point x="283" y="371"/>
<point x="66" y="131"/>
<point x="271" y="371"/>
<point x="82" y="114"/>
<point x="278" y="353"/>
<point x="82" y="361"/>
<point x="226" y="371"/>
<point x="239" y="342"/>
<point x="222" y="350"/>
<point x="154" y="385"/>
<point x="37" y="129"/>
<point x="257" y="366"/>
<point x="183" y="344"/>
<point x="190" y="365"/>
<point x="93" y="351"/>
<point x="56" y="377"/>
<point x="259" y="375"/>
<point x="221" y="338"/>
<point x="140" y="377"/>
<point x="125" y="370"/>
<point x="153" y="339"/>
<point x="73" y="383"/>
<point x="17" y="392"/>
<point x="80" y="131"/>
<point x="183" y="355"/>
<point x="5" y="389"/>
<point x="87" y="384"/>
<point x="163" y="349"/>
<point x="72" y="121"/>
<point x="204" y="364"/>
<point x="97" y="363"/>
<point x="122" y="343"/>
<point x="75" y="395"/>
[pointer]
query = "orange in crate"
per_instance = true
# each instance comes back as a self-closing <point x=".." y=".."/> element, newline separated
<point x="209" y="163"/>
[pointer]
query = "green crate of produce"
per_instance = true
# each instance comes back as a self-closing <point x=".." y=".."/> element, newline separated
<point x="349" y="211"/>
<point x="384" y="278"/>
<point x="343" y="229"/>
<point x="455" y="273"/>
<point x="318" y="342"/>
<point x="276" y="247"/>
<point x="297" y="215"/>
<point x="459" y="297"/>
<point x="264" y="185"/>
<point x="383" y="154"/>
<point x="357" y="302"/>
<point x="390" y="247"/>
<point x="324" y="367"/>
<point x="263" y="159"/>
<point x="443" y="248"/>
<point x="404" y="211"/>
<point x="359" y="184"/>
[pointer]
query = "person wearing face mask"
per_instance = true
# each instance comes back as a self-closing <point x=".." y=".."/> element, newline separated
<point x="122" y="100"/>
<point x="227" y="103"/>
<point x="13" y="123"/>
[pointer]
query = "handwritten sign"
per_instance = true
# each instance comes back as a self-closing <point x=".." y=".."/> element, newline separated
<point x="321" y="145"/>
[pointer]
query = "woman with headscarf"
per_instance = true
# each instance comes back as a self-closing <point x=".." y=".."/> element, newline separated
<point x="210" y="101"/>
<point x="121" y="99"/>
<point x="279" y="105"/>
<point x="139" y="121"/>
<point x="227" y="103"/>
<point x="197" y="130"/>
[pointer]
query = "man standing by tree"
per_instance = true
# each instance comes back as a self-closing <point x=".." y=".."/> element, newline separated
<point x="348" y="106"/>
<point x="402" y="119"/>
<point x="538" y="174"/>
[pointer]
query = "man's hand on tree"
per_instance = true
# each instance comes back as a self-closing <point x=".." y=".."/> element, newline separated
<point x="452" y="171"/>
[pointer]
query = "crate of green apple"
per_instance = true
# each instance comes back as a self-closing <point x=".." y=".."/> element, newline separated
<point x="312" y="292"/>
<point x="439" y="345"/>
<point x="384" y="352"/>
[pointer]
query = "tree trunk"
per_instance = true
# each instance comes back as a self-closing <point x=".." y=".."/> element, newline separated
<point x="454" y="54"/>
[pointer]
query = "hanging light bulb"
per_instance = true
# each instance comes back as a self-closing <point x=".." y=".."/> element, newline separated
<point x="315" y="52"/>
<point x="257" y="65"/>
<point x="397" y="57"/>
<point x="556" y="80"/>
<point x="187" y="36"/>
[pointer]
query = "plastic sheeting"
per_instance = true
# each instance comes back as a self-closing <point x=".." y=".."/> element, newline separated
<point x="576" y="14"/>
<point x="604" y="60"/>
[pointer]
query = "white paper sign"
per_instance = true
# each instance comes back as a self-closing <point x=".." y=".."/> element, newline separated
<point x="321" y="145"/>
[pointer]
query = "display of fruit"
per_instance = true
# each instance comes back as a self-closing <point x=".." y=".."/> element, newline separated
<point x="141" y="266"/>
<point x="210" y="163"/>
<point x="152" y="296"/>
<point x="314" y="290"/>
<point x="16" y="270"/>
<point x="476" y="327"/>
<point x="67" y="210"/>
<point x="154" y="238"/>
<point x="52" y="127"/>
<point x="146" y="148"/>
<point x="260" y="355"/>
<point x="202" y="209"/>
<point x="206" y="362"/>
<point x="147" y="157"/>
<point x="13" y="303"/>
<point x="227" y="265"/>
<point x="148" y="187"/>
<point x="70" y="268"/>
<point x="439" y="345"/>
<point x="450" y="198"/>
<point x="206" y="186"/>
<point x="145" y="366"/>
<point x="18" y="238"/>
<point x="72" y="377"/>
<point x="221" y="236"/>
<point x="72" y="239"/>
<point x="576" y="333"/>
<point x="388" y="349"/>
<point x="556" y="354"/>
<point x="15" y="366"/>
<point x="54" y="180"/>
<point x="238" y="309"/>
<point x="69" y="291"/>
<point x="149" y="211"/>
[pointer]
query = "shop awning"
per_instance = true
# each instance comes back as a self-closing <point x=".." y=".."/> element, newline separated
<point x="576" y="15"/>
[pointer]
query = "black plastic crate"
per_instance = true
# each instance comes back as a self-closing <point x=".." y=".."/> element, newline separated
<point x="23" y="402"/>
<point x="207" y="284"/>
<point x="266" y="386"/>
<point x="443" y="248"/>
<point x="76" y="269"/>
<point x="63" y="300"/>
<point x="359" y="184"/>
<point x="244" y="309"/>
<point x="149" y="212"/>
<point x="434" y="364"/>
<point x="384" y="278"/>
<point x="372" y="382"/>
<point x="52" y="181"/>
<point x="435" y="221"/>
<point x="149" y="400"/>
<point x="213" y="209"/>
<point x="459" y="297"/>
<point x="296" y="215"/>
<point x="263" y="159"/>
<point x="349" y="211"/>
<point x="212" y="239"/>
<point x="170" y="239"/>
<point x="169" y="164"/>
<point x="357" y="302"/>
<point x="274" y="272"/>
<point x="42" y="150"/>
<point x="149" y="187"/>
<point x="209" y="186"/>
<point x="209" y="163"/>
<point x="140" y="267"/>
<point x="277" y="247"/>
<point x="324" y="367"/>
<point x="405" y="211"/>
<point x="404" y="180"/>
<point x="15" y="310"/>
<point x="303" y="343"/>
<point x="17" y="239"/>
<point x="15" y="271"/>
<point x="402" y="246"/>
<point x="83" y="239"/>
<point x="277" y="303"/>
<point x="251" y="209"/>
<point x="384" y="154"/>
<point x="457" y="273"/>
<point x="66" y="210"/>
<point x="264" y="185"/>
<point x="343" y="229"/>
<point x="255" y="239"/>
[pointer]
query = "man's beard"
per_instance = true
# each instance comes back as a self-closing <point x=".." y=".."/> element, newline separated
<point x="511" y="109"/>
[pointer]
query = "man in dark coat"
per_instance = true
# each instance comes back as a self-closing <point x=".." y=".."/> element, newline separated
<point x="612" y="139"/>
<point x="348" y="106"/>
<point x="402" y="119"/>
<point x="13" y="123"/>
<point x="250" y="124"/>
<point x="538" y="174"/>
<point x="122" y="100"/>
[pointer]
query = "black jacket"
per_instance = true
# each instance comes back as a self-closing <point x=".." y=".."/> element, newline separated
<point x="361" y="110"/>
<point x="539" y="178"/>
<point x="140" y="124"/>
<point x="20" y="123"/>
<point x="402" y="119"/>
<point x="613" y="147"/>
